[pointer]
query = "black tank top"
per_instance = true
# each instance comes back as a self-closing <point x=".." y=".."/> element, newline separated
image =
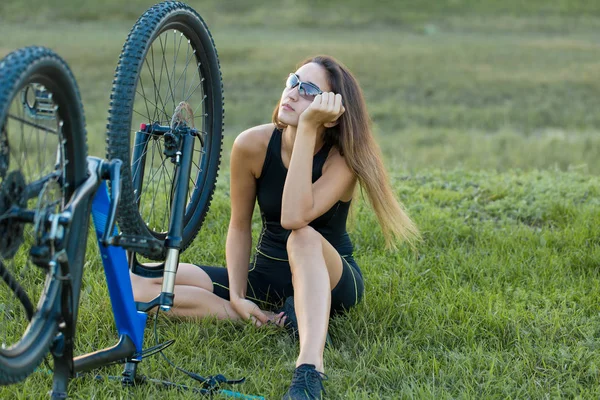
<point x="269" y="192"/>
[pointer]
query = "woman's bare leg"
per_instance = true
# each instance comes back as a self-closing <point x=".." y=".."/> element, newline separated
<point x="193" y="291"/>
<point x="316" y="269"/>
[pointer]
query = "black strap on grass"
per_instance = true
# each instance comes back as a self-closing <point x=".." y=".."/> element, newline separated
<point x="211" y="383"/>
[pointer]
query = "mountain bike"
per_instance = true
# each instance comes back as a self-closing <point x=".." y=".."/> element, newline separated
<point x="164" y="145"/>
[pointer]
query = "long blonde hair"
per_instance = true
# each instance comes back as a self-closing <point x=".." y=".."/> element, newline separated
<point x="354" y="139"/>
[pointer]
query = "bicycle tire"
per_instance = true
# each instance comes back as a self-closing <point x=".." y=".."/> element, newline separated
<point x="19" y="69"/>
<point x="128" y="86"/>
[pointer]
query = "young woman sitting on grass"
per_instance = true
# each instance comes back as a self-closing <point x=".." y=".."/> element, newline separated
<point x="302" y="169"/>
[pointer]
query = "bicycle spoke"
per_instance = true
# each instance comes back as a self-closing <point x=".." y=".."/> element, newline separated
<point x="201" y="152"/>
<point x="138" y="113"/>
<point x="196" y="165"/>
<point x="21" y="143"/>
<point x="157" y="97"/>
<point x="162" y="68"/>
<point x="167" y="69"/>
<point x="146" y="101"/>
<point x="183" y="73"/>
<point x="151" y="164"/>
<point x="152" y="205"/>
<point x="193" y="91"/>
<point x="167" y="193"/>
<point x="143" y="94"/>
<point x="26" y="122"/>
<point x="154" y="185"/>
<point x="44" y="145"/>
<point x="194" y="185"/>
<point x="152" y="75"/>
<point x="200" y="105"/>
<point x="138" y="162"/>
<point x="157" y="92"/>
<point x="198" y="64"/>
<point x="176" y="55"/>
<point x="170" y="198"/>
<point x="28" y="145"/>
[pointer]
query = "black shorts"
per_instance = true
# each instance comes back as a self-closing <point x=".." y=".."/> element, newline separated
<point x="270" y="283"/>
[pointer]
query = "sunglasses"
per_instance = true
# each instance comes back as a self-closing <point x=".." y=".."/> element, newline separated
<point x="306" y="90"/>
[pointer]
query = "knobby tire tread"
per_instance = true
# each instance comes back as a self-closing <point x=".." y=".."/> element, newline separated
<point x="122" y="98"/>
<point x="16" y="69"/>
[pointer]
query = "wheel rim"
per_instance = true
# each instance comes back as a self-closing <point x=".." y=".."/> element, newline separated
<point x="172" y="71"/>
<point x="32" y="165"/>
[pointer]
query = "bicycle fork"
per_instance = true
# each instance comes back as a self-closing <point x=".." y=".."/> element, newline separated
<point x="175" y="236"/>
<point x="182" y="156"/>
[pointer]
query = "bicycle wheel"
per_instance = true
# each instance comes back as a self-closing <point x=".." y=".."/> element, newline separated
<point x="169" y="58"/>
<point x="42" y="160"/>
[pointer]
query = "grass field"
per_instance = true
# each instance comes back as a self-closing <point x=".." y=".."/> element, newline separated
<point x="487" y="115"/>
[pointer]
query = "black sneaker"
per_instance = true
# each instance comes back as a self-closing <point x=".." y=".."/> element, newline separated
<point x="307" y="384"/>
<point x="291" y="322"/>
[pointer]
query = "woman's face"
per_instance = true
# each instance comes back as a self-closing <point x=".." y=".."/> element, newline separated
<point x="292" y="104"/>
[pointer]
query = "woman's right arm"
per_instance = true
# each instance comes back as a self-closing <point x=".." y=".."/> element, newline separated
<point x="243" y="165"/>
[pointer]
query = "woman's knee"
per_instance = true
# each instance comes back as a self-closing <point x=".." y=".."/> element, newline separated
<point x="144" y="289"/>
<point x="193" y="275"/>
<point x="304" y="239"/>
<point x="306" y="243"/>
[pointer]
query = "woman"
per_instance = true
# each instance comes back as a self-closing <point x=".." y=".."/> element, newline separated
<point x="302" y="169"/>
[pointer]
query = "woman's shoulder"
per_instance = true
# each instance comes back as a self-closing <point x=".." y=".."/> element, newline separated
<point x="251" y="146"/>
<point x="255" y="139"/>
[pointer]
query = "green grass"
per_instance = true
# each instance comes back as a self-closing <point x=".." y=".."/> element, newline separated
<point x="487" y="115"/>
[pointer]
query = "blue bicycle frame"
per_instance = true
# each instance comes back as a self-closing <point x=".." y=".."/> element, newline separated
<point x="130" y="322"/>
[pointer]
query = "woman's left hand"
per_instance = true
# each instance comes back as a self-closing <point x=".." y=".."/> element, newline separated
<point x="325" y="110"/>
<point x="276" y="319"/>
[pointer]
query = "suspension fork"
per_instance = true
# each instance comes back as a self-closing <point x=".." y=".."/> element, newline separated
<point x="182" y="158"/>
<point x="174" y="239"/>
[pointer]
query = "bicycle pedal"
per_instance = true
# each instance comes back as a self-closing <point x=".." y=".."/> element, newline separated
<point x="138" y="243"/>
